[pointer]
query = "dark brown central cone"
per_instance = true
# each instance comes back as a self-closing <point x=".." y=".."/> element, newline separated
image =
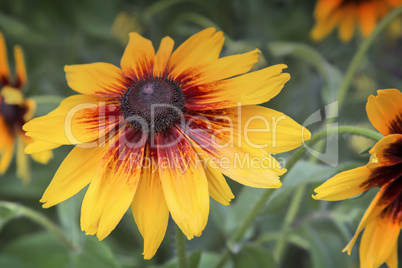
<point x="153" y="104"/>
<point x="12" y="114"/>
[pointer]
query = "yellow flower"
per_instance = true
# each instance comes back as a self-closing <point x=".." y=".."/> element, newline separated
<point x="14" y="112"/>
<point x="348" y="13"/>
<point x="158" y="133"/>
<point x="382" y="220"/>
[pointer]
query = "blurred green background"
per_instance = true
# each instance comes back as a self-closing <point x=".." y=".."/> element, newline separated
<point x="57" y="33"/>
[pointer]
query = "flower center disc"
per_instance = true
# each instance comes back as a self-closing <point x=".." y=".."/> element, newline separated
<point x="153" y="104"/>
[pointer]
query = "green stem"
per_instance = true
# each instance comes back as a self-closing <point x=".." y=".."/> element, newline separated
<point x="290" y="216"/>
<point x="181" y="249"/>
<point x="39" y="219"/>
<point x="47" y="99"/>
<point x="361" y="52"/>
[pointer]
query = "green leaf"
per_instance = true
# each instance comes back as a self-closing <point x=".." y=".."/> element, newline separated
<point x="253" y="256"/>
<point x="46" y="251"/>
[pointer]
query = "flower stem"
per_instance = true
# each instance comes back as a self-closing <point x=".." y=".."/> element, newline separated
<point x="31" y="214"/>
<point x="181" y="249"/>
<point x="289" y="218"/>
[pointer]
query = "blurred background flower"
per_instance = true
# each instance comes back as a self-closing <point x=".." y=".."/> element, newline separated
<point x="15" y="111"/>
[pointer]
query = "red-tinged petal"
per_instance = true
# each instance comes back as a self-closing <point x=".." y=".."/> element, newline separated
<point x="4" y="67"/>
<point x="252" y="88"/>
<point x="201" y="48"/>
<point x="149" y="206"/>
<point x="162" y="57"/>
<point x="184" y="183"/>
<point x="219" y="138"/>
<point x="387" y="152"/>
<point x="138" y="59"/>
<point x="220" y="69"/>
<point x="112" y="190"/>
<point x="78" y="119"/>
<point x="385" y="111"/>
<point x="98" y="79"/>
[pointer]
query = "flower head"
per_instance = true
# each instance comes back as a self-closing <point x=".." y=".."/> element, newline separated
<point x="14" y="112"/>
<point x="347" y="14"/>
<point x="159" y="133"/>
<point x="382" y="220"/>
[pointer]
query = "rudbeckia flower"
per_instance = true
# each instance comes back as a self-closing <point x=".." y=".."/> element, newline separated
<point x="14" y="112"/>
<point x="382" y="220"/>
<point x="158" y="134"/>
<point x="347" y="14"/>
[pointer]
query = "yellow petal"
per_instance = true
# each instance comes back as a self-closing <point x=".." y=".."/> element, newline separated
<point x="42" y="157"/>
<point x="184" y="183"/>
<point x="30" y="106"/>
<point x="201" y="48"/>
<point x="344" y="185"/>
<point x="77" y="170"/>
<point x="385" y="111"/>
<point x="38" y="146"/>
<point x="78" y="119"/>
<point x="12" y="96"/>
<point x="368" y="18"/>
<point x="23" y="166"/>
<point x="20" y="72"/>
<point x="101" y="79"/>
<point x="149" y="207"/>
<point x="138" y="58"/>
<point x="4" y="68"/>
<point x="371" y="213"/>
<point x="378" y="241"/>
<point x="112" y="190"/>
<point x="252" y="88"/>
<point x="347" y="24"/>
<point x="162" y="56"/>
<point x="325" y="25"/>
<point x="392" y="261"/>
<point x="324" y="8"/>
<point x="218" y="188"/>
<point x="220" y="69"/>
<point x="6" y="146"/>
